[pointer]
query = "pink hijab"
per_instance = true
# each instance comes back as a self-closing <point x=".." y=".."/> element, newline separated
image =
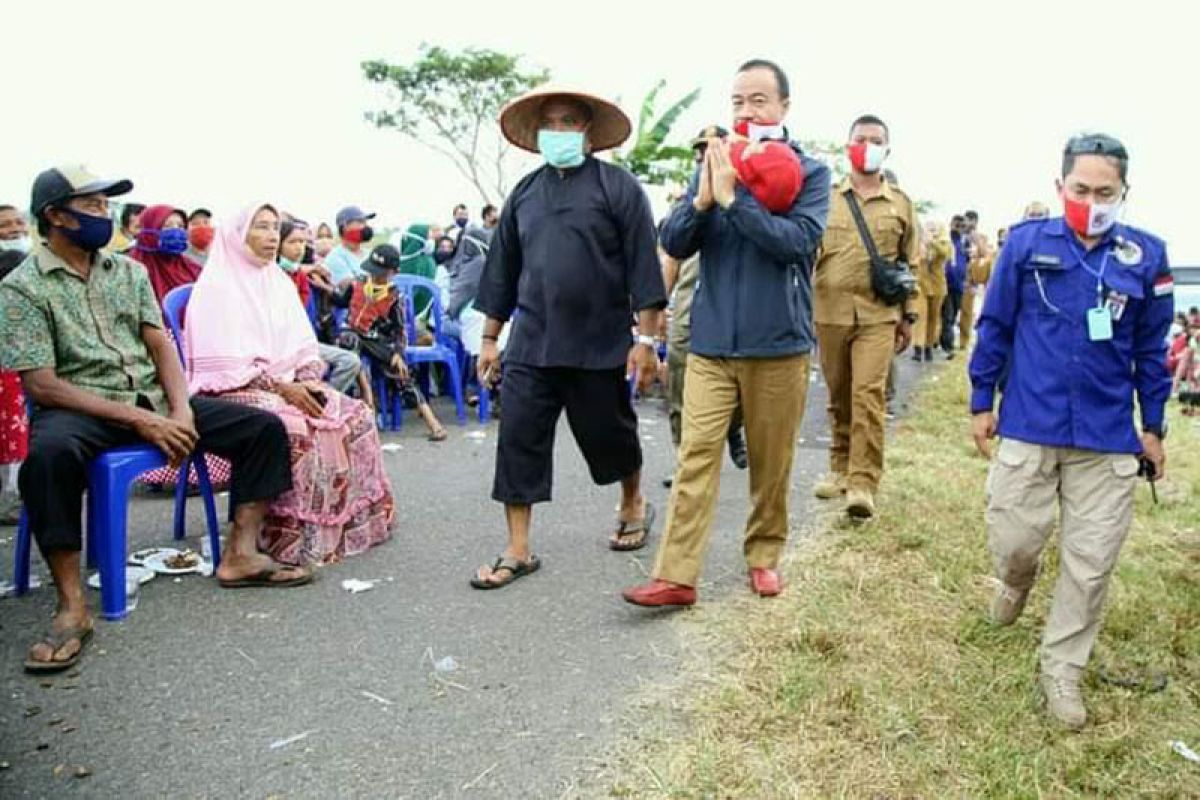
<point x="244" y="320"/>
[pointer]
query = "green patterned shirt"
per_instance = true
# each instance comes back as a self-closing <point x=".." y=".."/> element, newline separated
<point x="89" y="331"/>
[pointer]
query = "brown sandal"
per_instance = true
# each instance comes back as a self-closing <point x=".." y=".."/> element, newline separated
<point x="56" y="640"/>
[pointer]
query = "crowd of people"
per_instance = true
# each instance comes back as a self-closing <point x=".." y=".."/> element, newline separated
<point x="564" y="298"/>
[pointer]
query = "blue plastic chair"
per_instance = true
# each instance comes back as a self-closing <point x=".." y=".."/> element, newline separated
<point x="441" y="351"/>
<point x="174" y="306"/>
<point x="110" y="477"/>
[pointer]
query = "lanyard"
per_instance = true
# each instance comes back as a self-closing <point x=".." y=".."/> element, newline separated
<point x="1099" y="275"/>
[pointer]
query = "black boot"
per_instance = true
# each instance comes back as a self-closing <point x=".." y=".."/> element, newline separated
<point x="737" y="448"/>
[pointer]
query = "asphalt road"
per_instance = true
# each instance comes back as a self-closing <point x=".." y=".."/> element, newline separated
<point x="419" y="688"/>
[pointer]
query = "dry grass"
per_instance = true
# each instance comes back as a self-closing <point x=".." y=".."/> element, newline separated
<point x="878" y="674"/>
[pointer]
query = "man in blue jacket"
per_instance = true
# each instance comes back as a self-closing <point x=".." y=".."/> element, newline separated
<point x="751" y="339"/>
<point x="1072" y="332"/>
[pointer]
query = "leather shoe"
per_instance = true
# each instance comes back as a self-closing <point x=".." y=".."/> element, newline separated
<point x="660" y="593"/>
<point x="765" y="582"/>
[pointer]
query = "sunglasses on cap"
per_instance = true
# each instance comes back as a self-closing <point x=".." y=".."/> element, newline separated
<point x="1097" y="144"/>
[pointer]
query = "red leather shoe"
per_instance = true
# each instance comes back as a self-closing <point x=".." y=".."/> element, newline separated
<point x="660" y="593"/>
<point x="765" y="582"/>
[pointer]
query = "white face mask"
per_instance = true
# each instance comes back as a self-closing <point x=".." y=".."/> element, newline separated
<point x="19" y="245"/>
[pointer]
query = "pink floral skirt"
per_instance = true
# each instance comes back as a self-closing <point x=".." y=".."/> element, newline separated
<point x="341" y="501"/>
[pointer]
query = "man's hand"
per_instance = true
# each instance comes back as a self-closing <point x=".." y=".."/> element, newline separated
<point x="488" y="364"/>
<point x="174" y="438"/>
<point x="722" y="173"/>
<point x="1152" y="451"/>
<point x="643" y="362"/>
<point x="704" y="195"/>
<point x="983" y="428"/>
<point x="299" y="396"/>
<point x="903" y="336"/>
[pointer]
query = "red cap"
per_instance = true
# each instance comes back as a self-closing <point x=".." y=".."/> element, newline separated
<point x="772" y="173"/>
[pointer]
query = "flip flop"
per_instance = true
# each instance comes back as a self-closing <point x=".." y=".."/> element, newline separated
<point x="516" y="569"/>
<point x="265" y="577"/>
<point x="56" y="640"/>
<point x="643" y="526"/>
<point x="440" y="435"/>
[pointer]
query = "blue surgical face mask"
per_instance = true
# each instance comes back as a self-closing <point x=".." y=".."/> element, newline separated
<point x="172" y="241"/>
<point x="287" y="265"/>
<point x="92" y="234"/>
<point x="561" y="149"/>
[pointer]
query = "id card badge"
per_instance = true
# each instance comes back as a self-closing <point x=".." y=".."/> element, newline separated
<point x="1100" y="324"/>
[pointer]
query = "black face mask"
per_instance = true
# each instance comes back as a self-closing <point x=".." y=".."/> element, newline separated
<point x="442" y="256"/>
<point x="310" y="255"/>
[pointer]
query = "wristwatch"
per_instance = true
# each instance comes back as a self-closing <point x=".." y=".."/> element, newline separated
<point x="649" y="341"/>
<point x="1159" y="430"/>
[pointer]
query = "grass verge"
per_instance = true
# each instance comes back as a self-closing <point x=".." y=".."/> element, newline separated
<point x="877" y="674"/>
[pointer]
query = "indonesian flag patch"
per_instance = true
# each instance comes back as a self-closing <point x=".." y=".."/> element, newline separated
<point x="1164" y="285"/>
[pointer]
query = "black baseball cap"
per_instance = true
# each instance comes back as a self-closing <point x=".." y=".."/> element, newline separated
<point x="383" y="259"/>
<point x="58" y="184"/>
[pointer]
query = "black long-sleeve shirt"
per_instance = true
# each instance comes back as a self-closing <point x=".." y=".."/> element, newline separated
<point x="575" y="254"/>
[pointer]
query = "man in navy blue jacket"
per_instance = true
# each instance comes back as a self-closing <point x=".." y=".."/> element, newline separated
<point x="751" y="339"/>
<point x="1073" y="331"/>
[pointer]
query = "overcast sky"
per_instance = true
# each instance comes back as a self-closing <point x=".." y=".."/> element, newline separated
<point x="222" y="103"/>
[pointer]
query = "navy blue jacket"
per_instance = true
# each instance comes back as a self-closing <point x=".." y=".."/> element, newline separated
<point x="1061" y="389"/>
<point x="754" y="297"/>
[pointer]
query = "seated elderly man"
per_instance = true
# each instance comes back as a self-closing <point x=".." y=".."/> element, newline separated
<point x="84" y="331"/>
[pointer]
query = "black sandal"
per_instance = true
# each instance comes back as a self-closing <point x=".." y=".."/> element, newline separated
<point x="266" y="578"/>
<point x="643" y="526"/>
<point x="516" y="569"/>
<point x="56" y="640"/>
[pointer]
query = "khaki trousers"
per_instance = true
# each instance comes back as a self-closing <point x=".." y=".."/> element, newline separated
<point x="772" y="393"/>
<point x="928" y="330"/>
<point x="855" y="360"/>
<point x="1092" y="494"/>
<point x="677" y="355"/>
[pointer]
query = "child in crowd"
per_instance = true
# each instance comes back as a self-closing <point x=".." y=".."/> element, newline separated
<point x="376" y="328"/>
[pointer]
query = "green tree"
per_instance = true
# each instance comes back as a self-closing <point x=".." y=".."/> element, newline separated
<point x="650" y="157"/>
<point x="450" y="102"/>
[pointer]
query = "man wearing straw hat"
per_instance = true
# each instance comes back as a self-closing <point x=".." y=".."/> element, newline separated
<point x="573" y="258"/>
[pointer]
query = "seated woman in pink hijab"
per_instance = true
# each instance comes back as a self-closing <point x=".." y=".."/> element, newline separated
<point x="249" y="340"/>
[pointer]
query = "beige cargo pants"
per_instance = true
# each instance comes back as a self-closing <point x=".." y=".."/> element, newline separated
<point x="1092" y="494"/>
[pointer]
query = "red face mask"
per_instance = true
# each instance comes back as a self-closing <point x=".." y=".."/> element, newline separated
<point x="201" y="237"/>
<point x="757" y="131"/>
<point x="1090" y="219"/>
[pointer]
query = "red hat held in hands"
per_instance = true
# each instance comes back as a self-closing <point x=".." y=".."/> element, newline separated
<point x="770" y="170"/>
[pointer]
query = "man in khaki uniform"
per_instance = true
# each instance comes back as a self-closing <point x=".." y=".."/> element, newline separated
<point x="936" y="250"/>
<point x="857" y="334"/>
<point x="1073" y="331"/>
